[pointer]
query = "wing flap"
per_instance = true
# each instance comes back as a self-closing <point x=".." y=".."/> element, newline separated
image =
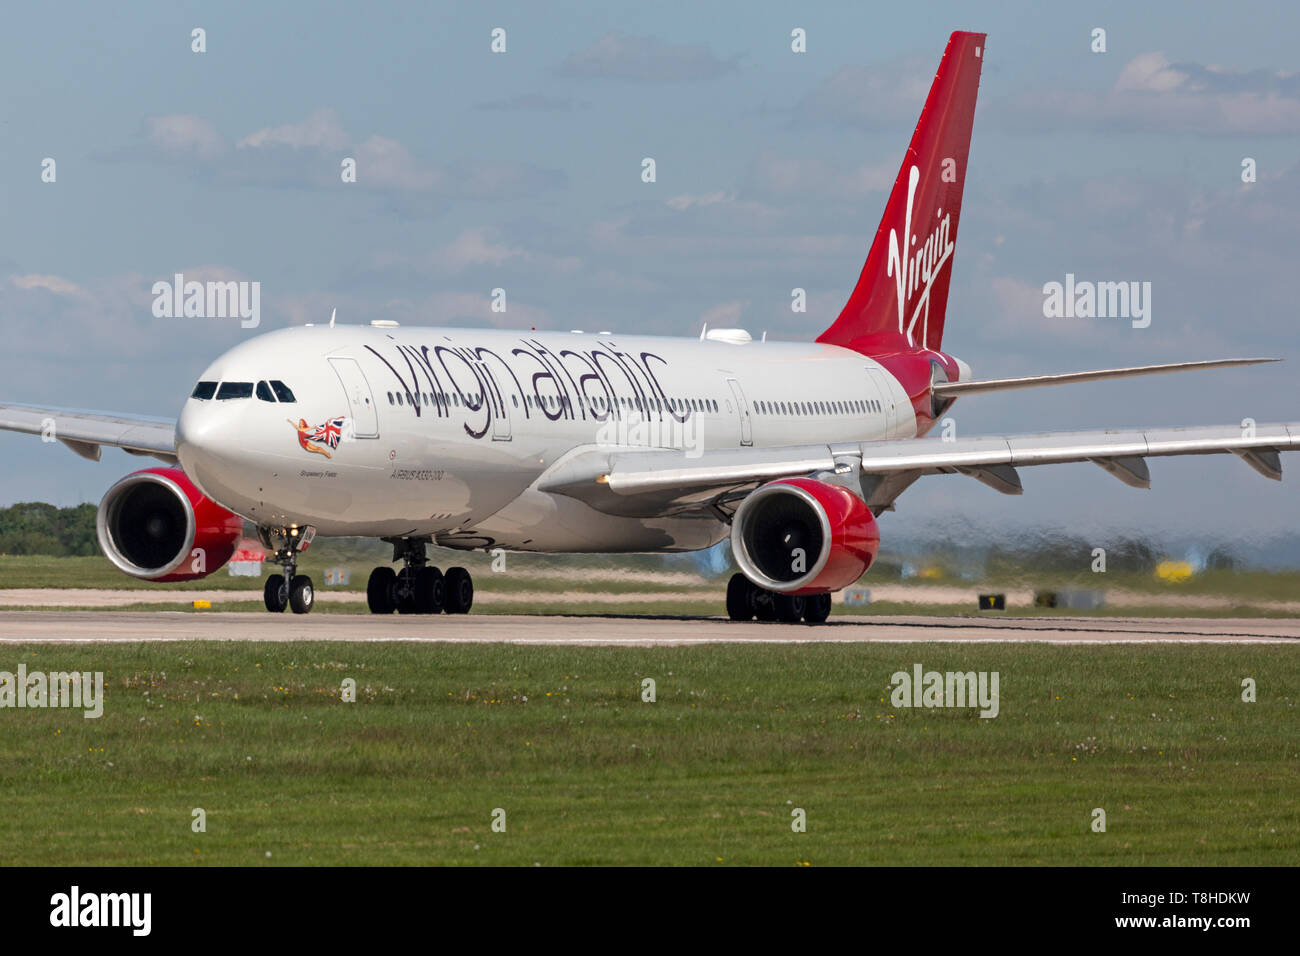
<point x="645" y="482"/>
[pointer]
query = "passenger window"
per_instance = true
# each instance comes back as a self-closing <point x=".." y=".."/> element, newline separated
<point x="264" y="392"/>
<point x="230" y="390"/>
<point x="204" y="390"/>
<point x="282" y="391"/>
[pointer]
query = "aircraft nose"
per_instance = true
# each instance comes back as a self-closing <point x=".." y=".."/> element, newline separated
<point x="193" y="429"/>
<point x="200" y="434"/>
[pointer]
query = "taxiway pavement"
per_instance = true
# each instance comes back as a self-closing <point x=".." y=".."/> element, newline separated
<point x="639" y="630"/>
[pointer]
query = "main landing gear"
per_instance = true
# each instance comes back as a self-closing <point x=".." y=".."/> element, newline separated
<point x="419" y="587"/>
<point x="747" y="601"/>
<point x="290" y="589"/>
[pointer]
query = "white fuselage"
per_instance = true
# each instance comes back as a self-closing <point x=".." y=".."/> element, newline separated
<point x="444" y="432"/>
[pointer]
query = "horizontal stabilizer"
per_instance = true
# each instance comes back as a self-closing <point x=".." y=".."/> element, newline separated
<point x="954" y="389"/>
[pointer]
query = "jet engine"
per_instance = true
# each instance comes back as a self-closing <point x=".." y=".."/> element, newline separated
<point x="804" y="536"/>
<point x="154" y="524"/>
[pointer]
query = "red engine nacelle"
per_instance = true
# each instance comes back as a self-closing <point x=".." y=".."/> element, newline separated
<point x="154" y="524"/>
<point x="804" y="536"/>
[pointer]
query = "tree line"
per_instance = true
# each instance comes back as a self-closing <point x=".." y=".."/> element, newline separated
<point x="34" y="527"/>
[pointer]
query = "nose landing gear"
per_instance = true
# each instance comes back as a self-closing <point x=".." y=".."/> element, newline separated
<point x="290" y="589"/>
<point x="419" y="587"/>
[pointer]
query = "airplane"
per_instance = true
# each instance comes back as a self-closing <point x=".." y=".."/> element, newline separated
<point x="579" y="442"/>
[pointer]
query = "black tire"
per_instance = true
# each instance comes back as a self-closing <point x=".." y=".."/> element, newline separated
<point x="404" y="592"/>
<point x="789" y="607"/>
<point x="274" y="594"/>
<point x="459" y="588"/>
<point x="302" y="595"/>
<point x="817" y="608"/>
<point x="764" y="602"/>
<point x="430" y="590"/>
<point x="379" y="590"/>
<point x="740" y="598"/>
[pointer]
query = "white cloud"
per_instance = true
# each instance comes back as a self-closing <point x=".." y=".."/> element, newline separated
<point x="878" y="96"/>
<point x="645" y="59"/>
<point x="475" y="308"/>
<point x="321" y="130"/>
<point x="184" y="134"/>
<point x="387" y="164"/>
<point x="725" y="314"/>
<point x="306" y="154"/>
<point x="1153" y="95"/>
<point x="1149" y="72"/>
<point x="53" y="284"/>
<point x="473" y="248"/>
<point x="809" y="177"/>
<point x="708" y="199"/>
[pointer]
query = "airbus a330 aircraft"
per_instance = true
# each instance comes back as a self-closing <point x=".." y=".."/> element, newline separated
<point x="478" y="439"/>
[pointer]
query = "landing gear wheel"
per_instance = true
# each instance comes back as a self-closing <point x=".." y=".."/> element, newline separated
<point x="740" y="598"/>
<point x="379" y="590"/>
<point x="404" y="592"/>
<point x="459" y="591"/>
<point x="302" y="596"/>
<point x="430" y="590"/>
<point x="789" y="607"/>
<point x="817" y="608"/>
<point x="274" y="594"/>
<point x="764" y="604"/>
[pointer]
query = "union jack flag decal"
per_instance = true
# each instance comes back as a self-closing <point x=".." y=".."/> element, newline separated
<point x="329" y="433"/>
<point x="317" y="438"/>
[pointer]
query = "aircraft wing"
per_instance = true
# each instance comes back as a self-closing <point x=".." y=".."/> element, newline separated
<point x="956" y="389"/>
<point x="642" y="483"/>
<point x="86" y="432"/>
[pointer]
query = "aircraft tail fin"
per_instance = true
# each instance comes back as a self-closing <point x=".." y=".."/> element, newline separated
<point x="902" y="293"/>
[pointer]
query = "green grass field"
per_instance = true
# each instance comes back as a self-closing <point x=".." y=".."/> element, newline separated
<point x="532" y="574"/>
<point x="707" y="607"/>
<point x="738" y="737"/>
<point x="45" y="571"/>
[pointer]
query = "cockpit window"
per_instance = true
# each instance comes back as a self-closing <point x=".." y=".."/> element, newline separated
<point x="282" y="391"/>
<point x="234" y="390"/>
<point x="204" y="390"/>
<point x="264" y="392"/>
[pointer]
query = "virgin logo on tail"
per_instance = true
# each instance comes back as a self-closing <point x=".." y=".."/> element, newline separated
<point x="915" y="270"/>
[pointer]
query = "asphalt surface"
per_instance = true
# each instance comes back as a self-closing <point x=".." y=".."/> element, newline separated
<point x="639" y="630"/>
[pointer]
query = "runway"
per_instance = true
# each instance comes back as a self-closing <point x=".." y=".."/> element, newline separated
<point x="75" y="627"/>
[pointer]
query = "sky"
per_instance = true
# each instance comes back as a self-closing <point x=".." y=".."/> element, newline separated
<point x="522" y="170"/>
